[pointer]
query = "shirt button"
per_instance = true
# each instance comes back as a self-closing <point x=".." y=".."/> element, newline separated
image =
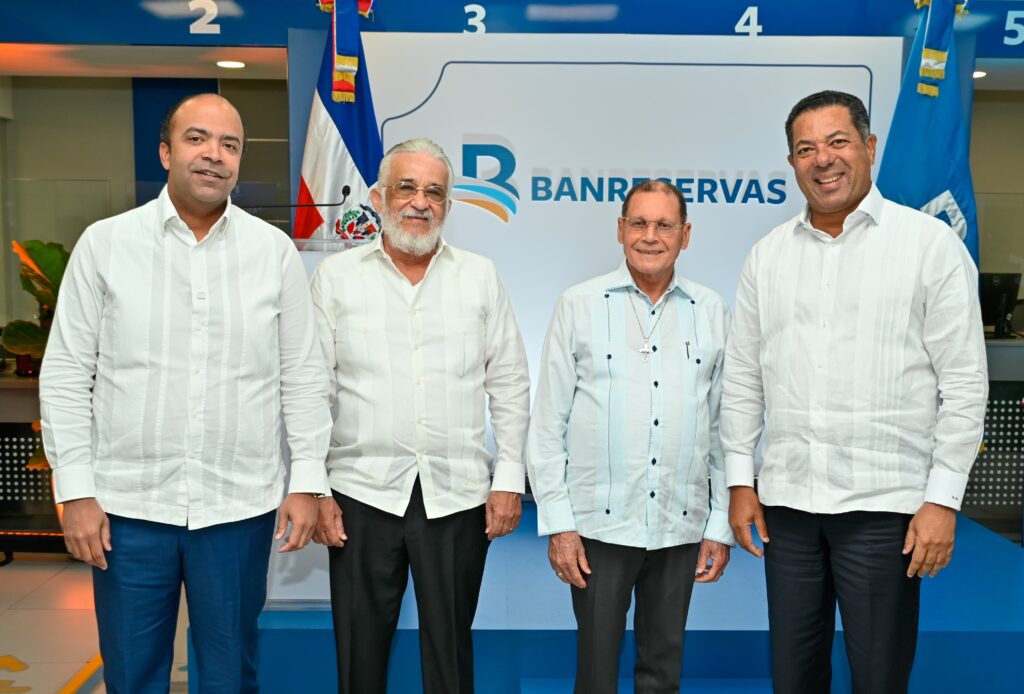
<point x="652" y="495"/>
<point x="684" y="513"/>
<point x="655" y="384"/>
<point x="654" y="348"/>
<point x="698" y="361"/>
<point x="652" y="312"/>
<point x="655" y="422"/>
<point x="609" y="356"/>
<point x="654" y="461"/>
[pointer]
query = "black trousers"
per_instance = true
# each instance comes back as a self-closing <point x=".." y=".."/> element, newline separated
<point x="663" y="582"/>
<point x="368" y="578"/>
<point x="814" y="559"/>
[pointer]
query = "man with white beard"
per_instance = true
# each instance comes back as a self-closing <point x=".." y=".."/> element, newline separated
<point x="416" y="332"/>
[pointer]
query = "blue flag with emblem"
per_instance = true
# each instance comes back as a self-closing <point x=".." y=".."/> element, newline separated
<point x="925" y="165"/>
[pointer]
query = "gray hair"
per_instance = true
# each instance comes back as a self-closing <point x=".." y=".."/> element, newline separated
<point x="419" y="144"/>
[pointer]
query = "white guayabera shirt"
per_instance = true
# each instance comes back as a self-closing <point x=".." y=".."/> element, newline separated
<point x="411" y="368"/>
<point x="867" y="354"/>
<point x="171" y="364"/>
<point x="623" y="445"/>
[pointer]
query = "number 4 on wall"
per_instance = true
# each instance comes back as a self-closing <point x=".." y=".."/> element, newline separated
<point x="748" y="23"/>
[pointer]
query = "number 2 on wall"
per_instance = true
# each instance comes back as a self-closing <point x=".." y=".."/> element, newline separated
<point x="204" y="25"/>
<point x="476" y="19"/>
<point x="748" y="23"/>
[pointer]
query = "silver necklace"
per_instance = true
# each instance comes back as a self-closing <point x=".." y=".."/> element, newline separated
<point x="645" y="349"/>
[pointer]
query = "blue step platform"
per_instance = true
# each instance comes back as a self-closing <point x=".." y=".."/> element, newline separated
<point x="971" y="629"/>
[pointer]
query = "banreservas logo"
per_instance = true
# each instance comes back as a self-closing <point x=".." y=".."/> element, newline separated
<point x="500" y="197"/>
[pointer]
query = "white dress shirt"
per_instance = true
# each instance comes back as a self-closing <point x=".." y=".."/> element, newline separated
<point x="410" y="366"/>
<point x="170" y="364"/>
<point x="867" y="354"/>
<point x="621" y="449"/>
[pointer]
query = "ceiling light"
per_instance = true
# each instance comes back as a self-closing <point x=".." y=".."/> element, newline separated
<point x="978" y="74"/>
<point x="231" y="64"/>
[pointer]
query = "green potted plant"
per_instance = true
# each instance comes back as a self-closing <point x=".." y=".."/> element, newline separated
<point x="42" y="269"/>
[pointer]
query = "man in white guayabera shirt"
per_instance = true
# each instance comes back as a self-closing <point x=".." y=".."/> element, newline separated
<point x="623" y="449"/>
<point x="857" y="336"/>
<point x="184" y="331"/>
<point x="418" y="335"/>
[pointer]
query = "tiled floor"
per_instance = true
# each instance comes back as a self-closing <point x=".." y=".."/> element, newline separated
<point x="48" y="629"/>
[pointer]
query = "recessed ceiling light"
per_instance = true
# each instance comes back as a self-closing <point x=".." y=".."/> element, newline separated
<point x="231" y="64"/>
<point x="978" y="74"/>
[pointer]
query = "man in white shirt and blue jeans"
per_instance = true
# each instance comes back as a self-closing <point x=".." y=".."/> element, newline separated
<point x="623" y="450"/>
<point x="184" y="331"/>
<point x="857" y="336"/>
<point x="418" y="335"/>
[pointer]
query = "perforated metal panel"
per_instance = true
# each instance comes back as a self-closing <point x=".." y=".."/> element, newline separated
<point x="21" y="488"/>
<point x="997" y="479"/>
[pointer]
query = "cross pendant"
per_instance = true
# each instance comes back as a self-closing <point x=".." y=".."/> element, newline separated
<point x="645" y="351"/>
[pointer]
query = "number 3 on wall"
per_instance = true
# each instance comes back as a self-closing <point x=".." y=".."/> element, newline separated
<point x="204" y="25"/>
<point x="748" y="23"/>
<point x="475" y="20"/>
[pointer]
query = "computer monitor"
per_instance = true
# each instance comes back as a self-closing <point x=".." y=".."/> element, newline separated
<point x="998" y="299"/>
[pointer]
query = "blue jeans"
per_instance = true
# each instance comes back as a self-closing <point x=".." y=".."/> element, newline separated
<point x="224" y="570"/>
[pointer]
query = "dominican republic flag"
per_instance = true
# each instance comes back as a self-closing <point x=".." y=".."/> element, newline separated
<point x="343" y="146"/>
<point x="926" y="162"/>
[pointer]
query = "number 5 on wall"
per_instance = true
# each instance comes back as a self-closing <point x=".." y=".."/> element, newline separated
<point x="1014" y="24"/>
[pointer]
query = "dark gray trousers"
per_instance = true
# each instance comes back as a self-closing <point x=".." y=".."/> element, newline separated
<point x="813" y="560"/>
<point x="663" y="581"/>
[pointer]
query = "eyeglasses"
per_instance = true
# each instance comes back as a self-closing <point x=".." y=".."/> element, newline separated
<point x="405" y="190"/>
<point x="639" y="225"/>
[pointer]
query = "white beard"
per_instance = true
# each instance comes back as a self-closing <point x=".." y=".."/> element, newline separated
<point x="414" y="244"/>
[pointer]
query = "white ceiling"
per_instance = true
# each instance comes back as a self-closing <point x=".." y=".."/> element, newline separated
<point x="1003" y="74"/>
<point x="39" y="59"/>
<point x="261" y="63"/>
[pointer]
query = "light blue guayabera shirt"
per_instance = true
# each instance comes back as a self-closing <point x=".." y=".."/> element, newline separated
<point x="619" y="449"/>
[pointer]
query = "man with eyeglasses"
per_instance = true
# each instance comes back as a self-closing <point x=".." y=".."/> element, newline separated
<point x="417" y="334"/>
<point x="622" y="441"/>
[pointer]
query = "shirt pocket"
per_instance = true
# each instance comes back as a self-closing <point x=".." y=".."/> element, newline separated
<point x="469" y="339"/>
<point x="359" y="346"/>
<point x="698" y="369"/>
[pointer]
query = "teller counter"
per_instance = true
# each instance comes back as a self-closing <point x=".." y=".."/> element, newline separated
<point x="28" y="521"/>
<point x="995" y="492"/>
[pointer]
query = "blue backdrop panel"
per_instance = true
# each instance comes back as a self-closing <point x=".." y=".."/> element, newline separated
<point x="239" y="23"/>
<point x="971" y="630"/>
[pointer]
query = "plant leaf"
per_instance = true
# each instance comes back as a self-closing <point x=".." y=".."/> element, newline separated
<point x="51" y="258"/>
<point x="23" y="337"/>
<point x="38" y="460"/>
<point x="31" y="283"/>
